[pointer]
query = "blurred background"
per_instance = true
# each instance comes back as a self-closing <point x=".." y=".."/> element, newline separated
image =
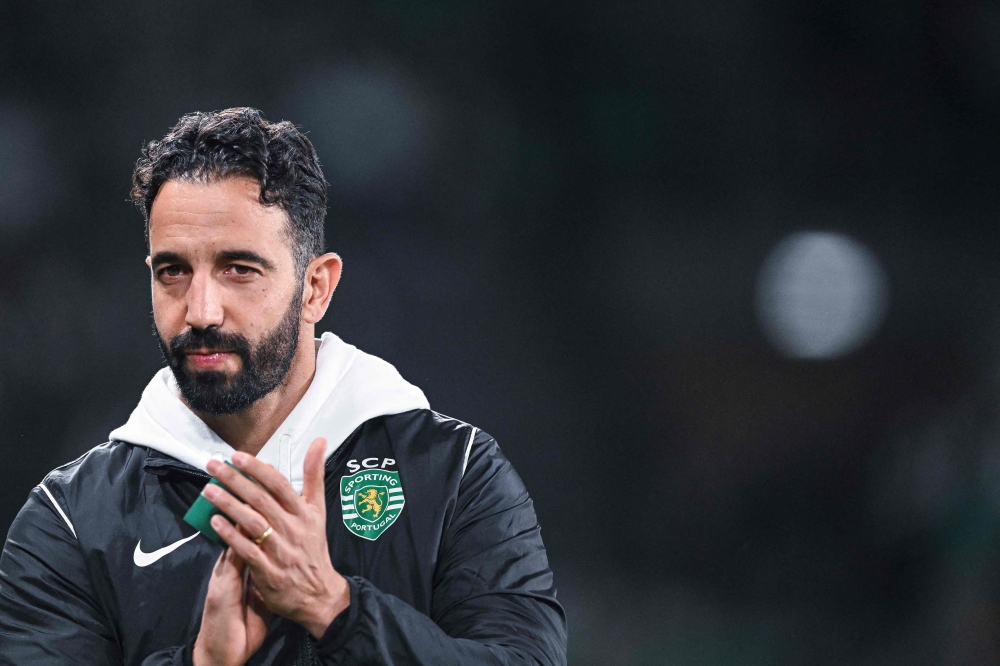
<point x="720" y="277"/>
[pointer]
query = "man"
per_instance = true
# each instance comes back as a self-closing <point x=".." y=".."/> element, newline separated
<point x="374" y="531"/>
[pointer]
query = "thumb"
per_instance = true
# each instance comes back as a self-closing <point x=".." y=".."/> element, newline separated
<point x="230" y="563"/>
<point x="313" y="473"/>
<point x="225" y="584"/>
<point x="225" y="563"/>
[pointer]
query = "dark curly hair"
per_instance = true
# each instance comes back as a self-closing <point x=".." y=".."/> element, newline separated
<point x="239" y="142"/>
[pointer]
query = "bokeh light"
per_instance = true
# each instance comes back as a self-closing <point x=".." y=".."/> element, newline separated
<point x="820" y="295"/>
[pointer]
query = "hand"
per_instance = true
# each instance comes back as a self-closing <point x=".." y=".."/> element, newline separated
<point x="291" y="568"/>
<point x="235" y="620"/>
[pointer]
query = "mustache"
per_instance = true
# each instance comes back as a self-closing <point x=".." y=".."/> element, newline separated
<point x="209" y="338"/>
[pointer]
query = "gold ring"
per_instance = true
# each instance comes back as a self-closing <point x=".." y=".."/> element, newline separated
<point x="263" y="537"/>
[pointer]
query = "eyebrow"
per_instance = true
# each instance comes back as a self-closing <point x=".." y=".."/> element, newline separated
<point x="245" y="255"/>
<point x="226" y="255"/>
<point x="166" y="258"/>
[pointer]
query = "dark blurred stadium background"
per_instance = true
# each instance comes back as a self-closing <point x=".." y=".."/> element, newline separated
<point x="721" y="277"/>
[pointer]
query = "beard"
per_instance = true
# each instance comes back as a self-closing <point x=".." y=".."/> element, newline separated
<point x="263" y="367"/>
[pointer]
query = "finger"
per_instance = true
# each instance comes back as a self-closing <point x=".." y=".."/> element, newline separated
<point x="255" y="601"/>
<point x="314" y="474"/>
<point x="245" y="516"/>
<point x="220" y="564"/>
<point x="270" y="478"/>
<point x="226" y="578"/>
<point x="249" y="492"/>
<point x="253" y="592"/>
<point x="249" y="551"/>
<point x="234" y="562"/>
<point x="228" y="565"/>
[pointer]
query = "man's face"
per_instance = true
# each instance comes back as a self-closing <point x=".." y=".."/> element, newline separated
<point x="227" y="299"/>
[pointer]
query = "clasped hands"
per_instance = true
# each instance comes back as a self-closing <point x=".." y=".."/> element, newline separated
<point x="288" y="573"/>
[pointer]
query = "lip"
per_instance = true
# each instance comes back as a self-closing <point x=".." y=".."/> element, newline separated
<point x="208" y="359"/>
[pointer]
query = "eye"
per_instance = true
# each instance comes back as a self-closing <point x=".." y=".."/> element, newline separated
<point x="171" y="272"/>
<point x="241" y="271"/>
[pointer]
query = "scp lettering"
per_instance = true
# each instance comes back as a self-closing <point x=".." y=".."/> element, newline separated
<point x="369" y="463"/>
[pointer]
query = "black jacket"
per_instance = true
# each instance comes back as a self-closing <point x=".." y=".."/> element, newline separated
<point x="460" y="577"/>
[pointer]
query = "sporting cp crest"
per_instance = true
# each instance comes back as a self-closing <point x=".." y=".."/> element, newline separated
<point x="371" y="500"/>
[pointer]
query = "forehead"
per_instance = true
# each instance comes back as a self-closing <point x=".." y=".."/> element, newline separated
<point x="199" y="217"/>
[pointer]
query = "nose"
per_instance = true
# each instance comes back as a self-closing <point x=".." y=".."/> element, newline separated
<point x="204" y="302"/>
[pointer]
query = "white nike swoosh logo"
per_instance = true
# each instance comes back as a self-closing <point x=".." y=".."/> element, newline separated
<point x="142" y="559"/>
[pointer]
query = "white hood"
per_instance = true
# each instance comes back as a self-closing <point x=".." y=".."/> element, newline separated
<point x="349" y="388"/>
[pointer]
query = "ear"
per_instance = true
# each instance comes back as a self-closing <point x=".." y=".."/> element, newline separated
<point x="321" y="278"/>
<point x="149" y="261"/>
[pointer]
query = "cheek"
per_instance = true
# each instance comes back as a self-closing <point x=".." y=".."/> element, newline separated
<point x="168" y="314"/>
<point x="257" y="310"/>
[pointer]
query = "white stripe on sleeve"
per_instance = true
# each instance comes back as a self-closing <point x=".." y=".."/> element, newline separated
<point x="58" y="508"/>
<point x="468" y="450"/>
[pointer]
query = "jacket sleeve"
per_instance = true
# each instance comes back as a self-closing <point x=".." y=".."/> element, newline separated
<point x="177" y="655"/>
<point x="48" y="611"/>
<point x="493" y="600"/>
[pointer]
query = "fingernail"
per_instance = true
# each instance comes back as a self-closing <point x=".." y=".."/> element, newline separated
<point x="240" y="458"/>
<point x="211" y="491"/>
<point x="217" y="521"/>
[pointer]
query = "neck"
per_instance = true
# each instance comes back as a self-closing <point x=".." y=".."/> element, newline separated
<point x="249" y="430"/>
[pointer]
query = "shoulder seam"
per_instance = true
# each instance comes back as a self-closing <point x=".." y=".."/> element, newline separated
<point x="83" y="455"/>
<point x="468" y="450"/>
<point x="58" y="508"/>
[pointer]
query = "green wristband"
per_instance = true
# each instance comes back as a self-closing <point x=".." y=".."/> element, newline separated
<point x="200" y="514"/>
